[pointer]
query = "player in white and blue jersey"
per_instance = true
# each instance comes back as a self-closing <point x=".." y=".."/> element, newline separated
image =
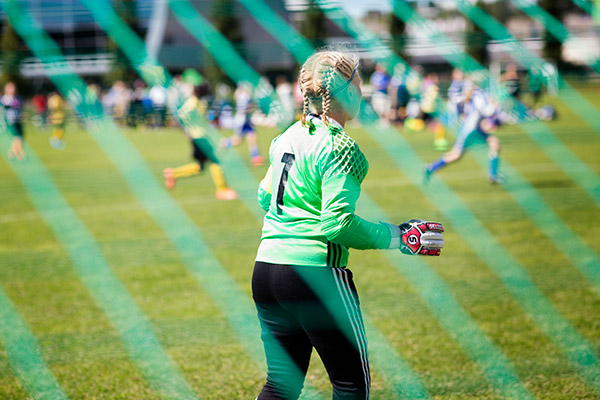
<point x="243" y="126"/>
<point x="456" y="99"/>
<point x="480" y="120"/>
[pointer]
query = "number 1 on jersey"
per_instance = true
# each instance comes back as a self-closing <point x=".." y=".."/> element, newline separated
<point x="288" y="159"/>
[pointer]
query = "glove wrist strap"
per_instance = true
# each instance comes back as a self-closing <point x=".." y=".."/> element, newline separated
<point x="396" y="236"/>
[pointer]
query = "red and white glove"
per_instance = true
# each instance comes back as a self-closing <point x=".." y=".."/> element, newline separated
<point x="418" y="237"/>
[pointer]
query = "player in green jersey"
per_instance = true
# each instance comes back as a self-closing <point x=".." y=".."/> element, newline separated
<point x="304" y="294"/>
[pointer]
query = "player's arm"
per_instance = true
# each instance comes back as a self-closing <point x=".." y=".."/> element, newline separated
<point x="265" y="190"/>
<point x="341" y="189"/>
<point x="343" y="168"/>
<point x="339" y="222"/>
<point x="341" y="225"/>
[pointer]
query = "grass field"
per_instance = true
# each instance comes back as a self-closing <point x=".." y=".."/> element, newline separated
<point x="76" y="314"/>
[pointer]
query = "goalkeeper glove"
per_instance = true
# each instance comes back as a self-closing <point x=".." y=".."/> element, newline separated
<point x="421" y="237"/>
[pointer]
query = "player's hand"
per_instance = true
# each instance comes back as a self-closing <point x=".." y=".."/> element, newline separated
<point x="422" y="238"/>
<point x="16" y="149"/>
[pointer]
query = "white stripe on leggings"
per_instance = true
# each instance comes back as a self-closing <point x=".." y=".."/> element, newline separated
<point x="361" y="326"/>
<point x="341" y="279"/>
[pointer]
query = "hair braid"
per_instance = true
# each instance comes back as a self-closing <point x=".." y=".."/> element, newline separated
<point x="326" y="93"/>
<point x="302" y="82"/>
<point x="305" y="109"/>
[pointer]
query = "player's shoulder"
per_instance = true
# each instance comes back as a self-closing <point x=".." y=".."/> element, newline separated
<point x="344" y="155"/>
<point x="341" y="142"/>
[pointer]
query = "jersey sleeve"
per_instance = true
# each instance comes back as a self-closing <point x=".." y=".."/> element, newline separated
<point x="344" y="167"/>
<point x="265" y="190"/>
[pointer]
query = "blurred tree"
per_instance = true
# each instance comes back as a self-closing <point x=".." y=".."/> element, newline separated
<point x="121" y="69"/>
<point x="499" y="9"/>
<point x="476" y="41"/>
<point x="226" y="20"/>
<point x="552" y="46"/>
<point x="313" y="25"/>
<point x="398" y="34"/>
<point x="10" y="46"/>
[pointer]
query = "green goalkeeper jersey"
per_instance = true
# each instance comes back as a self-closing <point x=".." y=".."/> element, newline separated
<point x="310" y="194"/>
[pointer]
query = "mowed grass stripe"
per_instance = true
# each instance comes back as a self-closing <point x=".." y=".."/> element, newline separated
<point x="24" y="353"/>
<point x="106" y="289"/>
<point x="499" y="260"/>
<point x="453" y="318"/>
<point x="581" y="255"/>
<point x="565" y="159"/>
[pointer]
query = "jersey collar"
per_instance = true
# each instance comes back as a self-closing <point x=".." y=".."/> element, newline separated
<point x="333" y="124"/>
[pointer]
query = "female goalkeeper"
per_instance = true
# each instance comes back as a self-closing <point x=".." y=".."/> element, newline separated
<point x="304" y="294"/>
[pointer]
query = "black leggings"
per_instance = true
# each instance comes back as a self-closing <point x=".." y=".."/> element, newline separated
<point x="304" y="307"/>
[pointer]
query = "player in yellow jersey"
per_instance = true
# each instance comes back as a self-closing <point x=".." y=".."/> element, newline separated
<point x="56" y="107"/>
<point x="202" y="149"/>
<point x="429" y="97"/>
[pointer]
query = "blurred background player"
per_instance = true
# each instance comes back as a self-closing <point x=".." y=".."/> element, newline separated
<point x="285" y="92"/>
<point x="158" y="100"/>
<point x="202" y="150"/>
<point x="56" y="118"/>
<point x="380" y="100"/>
<point x="40" y="108"/>
<point x="455" y="97"/>
<point x="535" y="80"/>
<point x="430" y="92"/>
<point x="13" y="107"/>
<point x="512" y="80"/>
<point x="242" y="123"/>
<point x="399" y="94"/>
<point x="136" y="112"/>
<point x="414" y="85"/>
<point x="479" y="122"/>
<point x="116" y="101"/>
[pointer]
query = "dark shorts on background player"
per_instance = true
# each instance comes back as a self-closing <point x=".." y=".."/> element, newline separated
<point x="202" y="151"/>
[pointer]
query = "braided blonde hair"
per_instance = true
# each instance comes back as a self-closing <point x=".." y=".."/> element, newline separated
<point x="323" y="73"/>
